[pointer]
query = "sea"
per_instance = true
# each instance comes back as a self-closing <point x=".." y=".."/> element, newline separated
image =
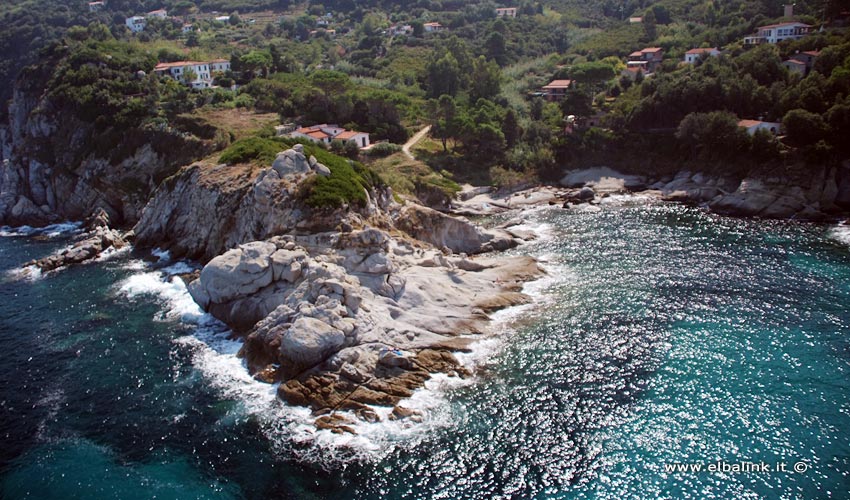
<point x="668" y="353"/>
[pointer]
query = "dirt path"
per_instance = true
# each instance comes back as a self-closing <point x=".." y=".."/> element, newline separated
<point x="413" y="140"/>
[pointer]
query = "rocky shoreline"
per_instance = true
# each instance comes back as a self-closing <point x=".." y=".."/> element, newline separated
<point x="355" y="308"/>
<point x="821" y="197"/>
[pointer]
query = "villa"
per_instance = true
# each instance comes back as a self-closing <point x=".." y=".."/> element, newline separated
<point x="774" y="33"/>
<point x="506" y="12"/>
<point x="202" y="71"/>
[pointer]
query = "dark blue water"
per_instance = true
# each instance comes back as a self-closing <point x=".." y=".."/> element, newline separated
<point x="664" y="335"/>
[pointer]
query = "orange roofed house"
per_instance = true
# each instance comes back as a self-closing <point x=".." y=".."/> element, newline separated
<point x="647" y="60"/>
<point x="325" y="133"/>
<point x="556" y="90"/>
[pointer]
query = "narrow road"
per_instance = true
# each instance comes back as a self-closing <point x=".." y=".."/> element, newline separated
<point x="413" y="140"/>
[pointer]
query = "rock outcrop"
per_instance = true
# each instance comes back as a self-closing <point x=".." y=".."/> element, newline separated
<point x="358" y="319"/>
<point x="454" y="233"/>
<point x="205" y="210"/>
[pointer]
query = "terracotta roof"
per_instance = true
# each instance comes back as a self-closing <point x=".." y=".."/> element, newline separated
<point x="636" y="53"/>
<point x="652" y="49"/>
<point x="158" y="11"/>
<point x="307" y="130"/>
<point x="559" y="84"/>
<point x="162" y="66"/>
<point x="795" y="61"/>
<point x="813" y="53"/>
<point x="318" y="134"/>
<point x="701" y="50"/>
<point x="769" y="26"/>
<point x="749" y="123"/>
<point x="432" y="24"/>
<point x="348" y="134"/>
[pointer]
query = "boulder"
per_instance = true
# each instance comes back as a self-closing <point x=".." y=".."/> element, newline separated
<point x="308" y="342"/>
<point x="291" y="162"/>
<point x="236" y="273"/>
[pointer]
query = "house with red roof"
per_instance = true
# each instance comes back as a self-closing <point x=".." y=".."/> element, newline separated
<point x="325" y="134"/>
<point x="773" y="33"/>
<point x="556" y="89"/>
<point x="647" y="59"/>
<point x="751" y="126"/>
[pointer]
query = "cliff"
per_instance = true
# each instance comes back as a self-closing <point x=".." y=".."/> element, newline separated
<point x="82" y="134"/>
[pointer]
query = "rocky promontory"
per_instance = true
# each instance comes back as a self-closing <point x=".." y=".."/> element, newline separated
<point x="348" y="308"/>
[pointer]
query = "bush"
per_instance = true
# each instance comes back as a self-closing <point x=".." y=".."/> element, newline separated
<point x="252" y="149"/>
<point x="382" y="149"/>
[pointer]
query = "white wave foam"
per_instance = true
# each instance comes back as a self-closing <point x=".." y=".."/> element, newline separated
<point x="291" y="430"/>
<point x="162" y="255"/>
<point x="112" y="252"/>
<point x="51" y="231"/>
<point x="179" y="304"/>
<point x="841" y="234"/>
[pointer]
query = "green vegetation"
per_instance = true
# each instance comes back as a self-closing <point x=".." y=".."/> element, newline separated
<point x="477" y="83"/>
<point x="347" y="185"/>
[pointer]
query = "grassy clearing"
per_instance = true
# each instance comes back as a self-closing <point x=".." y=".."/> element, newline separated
<point x="405" y="176"/>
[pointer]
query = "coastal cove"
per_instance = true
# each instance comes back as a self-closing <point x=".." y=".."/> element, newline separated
<point x="660" y="334"/>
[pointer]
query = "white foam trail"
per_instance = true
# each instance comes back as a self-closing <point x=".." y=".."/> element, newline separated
<point x="51" y="231"/>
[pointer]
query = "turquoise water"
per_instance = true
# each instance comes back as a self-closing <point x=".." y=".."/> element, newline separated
<point x="663" y="335"/>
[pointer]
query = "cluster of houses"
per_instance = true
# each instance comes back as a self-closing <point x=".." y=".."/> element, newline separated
<point x="325" y="134"/>
<point x="198" y="75"/>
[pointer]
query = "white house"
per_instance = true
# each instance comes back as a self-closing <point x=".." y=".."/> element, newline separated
<point x="136" y="23"/>
<point x="96" y="6"/>
<point x="360" y="139"/>
<point x="429" y="27"/>
<point x="695" y="55"/>
<point x="774" y="33"/>
<point x="219" y="65"/>
<point x="187" y="28"/>
<point x="158" y="14"/>
<point x="325" y="133"/>
<point x="795" y="66"/>
<point x="753" y="125"/>
<point x="506" y="12"/>
<point x="222" y="19"/>
<point x="403" y="29"/>
<point x="177" y="70"/>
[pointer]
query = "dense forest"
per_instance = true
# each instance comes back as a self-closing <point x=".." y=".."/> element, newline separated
<point x="389" y="67"/>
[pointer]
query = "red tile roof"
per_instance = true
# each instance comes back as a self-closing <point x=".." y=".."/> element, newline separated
<point x="162" y="66"/>
<point x="317" y="134"/>
<point x="348" y="134"/>
<point x="701" y="50"/>
<point x="770" y="26"/>
<point x="559" y="84"/>
<point x="749" y="123"/>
